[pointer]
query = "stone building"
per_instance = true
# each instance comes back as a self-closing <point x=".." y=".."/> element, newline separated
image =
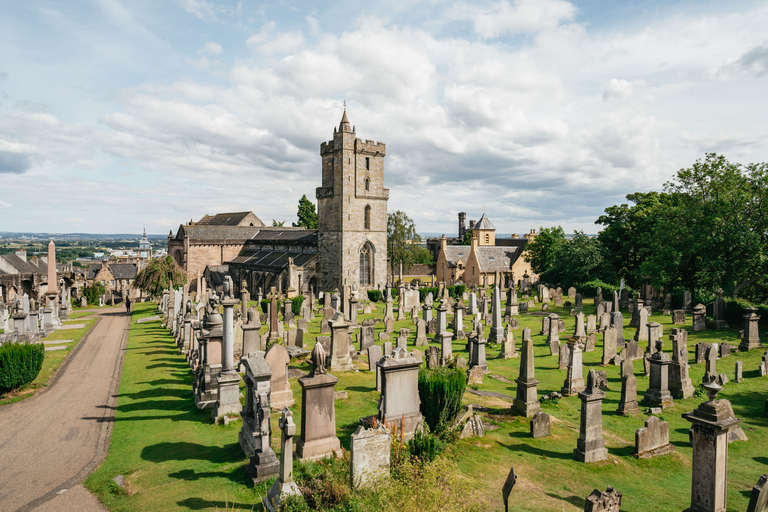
<point x="20" y="275"/>
<point x="348" y="248"/>
<point x="352" y="211"/>
<point x="117" y="278"/>
<point x="479" y="262"/>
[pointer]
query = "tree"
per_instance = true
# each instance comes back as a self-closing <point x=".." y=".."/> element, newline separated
<point x="160" y="274"/>
<point x="278" y="223"/>
<point x="401" y="240"/>
<point x="541" y="252"/>
<point x="577" y="260"/>
<point x="93" y="291"/>
<point x="306" y="214"/>
<point x="468" y="234"/>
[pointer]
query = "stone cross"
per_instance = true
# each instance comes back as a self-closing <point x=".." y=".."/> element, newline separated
<point x="284" y="486"/>
<point x="272" y="296"/>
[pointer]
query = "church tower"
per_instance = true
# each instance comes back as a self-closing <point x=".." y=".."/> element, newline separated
<point x="352" y="212"/>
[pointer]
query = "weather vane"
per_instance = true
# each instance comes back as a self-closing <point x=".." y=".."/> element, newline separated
<point x="345" y="105"/>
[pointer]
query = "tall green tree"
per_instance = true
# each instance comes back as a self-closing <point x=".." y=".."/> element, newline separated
<point x="160" y="274"/>
<point x="542" y="251"/>
<point x="278" y="223"/>
<point x="306" y="214"/>
<point x="577" y="260"/>
<point x="468" y="234"/>
<point x="402" y="238"/>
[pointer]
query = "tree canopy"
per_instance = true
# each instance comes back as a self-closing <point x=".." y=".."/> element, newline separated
<point x="160" y="274"/>
<point x="403" y="242"/>
<point x="306" y="214"/>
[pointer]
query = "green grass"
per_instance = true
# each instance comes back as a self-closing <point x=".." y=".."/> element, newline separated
<point x="52" y="361"/>
<point x="174" y="458"/>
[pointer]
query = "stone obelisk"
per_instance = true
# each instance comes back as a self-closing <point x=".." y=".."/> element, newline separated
<point x="52" y="281"/>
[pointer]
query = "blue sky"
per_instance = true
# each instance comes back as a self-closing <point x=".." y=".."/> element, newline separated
<point x="544" y="112"/>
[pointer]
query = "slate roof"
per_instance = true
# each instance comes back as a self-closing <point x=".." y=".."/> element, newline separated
<point x="263" y="258"/>
<point x="226" y="219"/>
<point x="484" y="223"/>
<point x="21" y="266"/>
<point x="119" y="270"/>
<point x="454" y="253"/>
<point x="207" y="232"/>
<point x="215" y="275"/>
<point x="494" y="259"/>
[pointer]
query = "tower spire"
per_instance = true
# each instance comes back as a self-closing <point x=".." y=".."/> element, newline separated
<point x="344" y="125"/>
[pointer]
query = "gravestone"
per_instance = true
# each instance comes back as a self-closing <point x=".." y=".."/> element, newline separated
<point x="508" y="349"/>
<point x="318" y="410"/>
<point x="608" y="501"/>
<point x="642" y="321"/>
<point x="367" y="334"/>
<point x="652" y="439"/>
<point x="255" y="434"/>
<point x="284" y="486"/>
<point x="340" y="358"/>
<point x="553" y="339"/>
<point x="432" y="355"/>
<point x="609" y="346"/>
<point x="399" y="401"/>
<point x="564" y="357"/>
<point x="758" y="500"/>
<point x="590" y="446"/>
<point x="700" y="352"/>
<point x="369" y="459"/>
<point x="725" y="350"/>
<point x="574" y="380"/>
<point x="699" y="318"/>
<point x="678" y="317"/>
<point x="739" y="372"/>
<point x="374" y="354"/>
<point x="277" y="358"/>
<point x="526" y="402"/>
<point x="710" y="375"/>
<point x="421" y="333"/>
<point x="628" y="401"/>
<point x="710" y="425"/>
<point x="750" y="338"/>
<point x="475" y="376"/>
<point x="658" y="394"/>
<point x="718" y="311"/>
<point x="679" y="381"/>
<point x="617" y="321"/>
<point x="540" y="425"/>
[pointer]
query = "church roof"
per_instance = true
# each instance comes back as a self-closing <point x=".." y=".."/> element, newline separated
<point x="265" y="259"/>
<point x="119" y="270"/>
<point x="230" y="219"/>
<point x="454" y="253"/>
<point x="484" y="223"/>
<point x="492" y="258"/>
<point x="21" y="266"/>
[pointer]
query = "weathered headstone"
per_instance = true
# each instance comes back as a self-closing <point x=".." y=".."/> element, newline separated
<point x="758" y="500"/>
<point x="678" y="317"/>
<point x="658" y="394"/>
<point x="652" y="439"/>
<point x="590" y="446"/>
<point x="628" y="402"/>
<point x="679" y="380"/>
<point x="699" y="318"/>
<point x="256" y="431"/>
<point x="399" y="400"/>
<point x="608" y="501"/>
<point x="284" y="486"/>
<point x="574" y="380"/>
<point x="369" y="456"/>
<point x="318" y="410"/>
<point x="540" y="425"/>
<point x="750" y="337"/>
<point x="526" y="402"/>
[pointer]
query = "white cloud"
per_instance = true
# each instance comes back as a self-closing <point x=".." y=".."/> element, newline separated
<point x="4" y="205"/>
<point x="211" y="48"/>
<point x="520" y="17"/>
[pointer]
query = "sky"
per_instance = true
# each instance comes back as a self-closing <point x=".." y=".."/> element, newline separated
<point x="116" y="115"/>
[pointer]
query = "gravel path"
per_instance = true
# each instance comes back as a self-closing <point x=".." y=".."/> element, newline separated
<point x="49" y="443"/>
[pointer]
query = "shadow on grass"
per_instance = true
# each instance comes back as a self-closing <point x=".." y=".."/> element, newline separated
<point x="201" y="504"/>
<point x="573" y="500"/>
<point x="537" y="451"/>
<point x="236" y="475"/>
<point x="159" y="392"/>
<point x="361" y="389"/>
<point x="163" y="452"/>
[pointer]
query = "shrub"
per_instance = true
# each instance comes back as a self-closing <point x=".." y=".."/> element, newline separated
<point x="19" y="365"/>
<point x="459" y="289"/>
<point x="296" y="303"/>
<point x="423" y="292"/>
<point x="441" y="391"/>
<point x="93" y="292"/>
<point x="426" y="446"/>
<point x="374" y="295"/>
<point x="265" y="305"/>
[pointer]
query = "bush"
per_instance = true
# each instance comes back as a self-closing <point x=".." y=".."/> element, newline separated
<point x="265" y="305"/>
<point x="423" y="292"/>
<point x="426" y="446"/>
<point x="296" y="303"/>
<point x="19" y="365"/>
<point x="374" y="295"/>
<point x="93" y="292"/>
<point x="441" y="391"/>
<point x="459" y="289"/>
<point x="736" y="309"/>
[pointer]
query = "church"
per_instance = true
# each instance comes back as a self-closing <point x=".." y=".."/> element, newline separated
<point x="348" y="248"/>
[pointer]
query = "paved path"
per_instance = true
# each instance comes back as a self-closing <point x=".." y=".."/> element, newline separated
<point x="52" y="441"/>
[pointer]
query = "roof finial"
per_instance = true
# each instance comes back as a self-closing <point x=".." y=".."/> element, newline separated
<point x="345" y="105"/>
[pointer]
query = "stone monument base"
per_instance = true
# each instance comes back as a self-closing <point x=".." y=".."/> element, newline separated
<point x="277" y="494"/>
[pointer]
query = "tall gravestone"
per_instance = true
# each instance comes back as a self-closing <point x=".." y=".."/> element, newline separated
<point x="340" y="358"/>
<point x="526" y="402"/>
<point x="711" y="422"/>
<point x="679" y="380"/>
<point x="228" y="380"/>
<point x="574" y="380"/>
<point x="658" y="394"/>
<point x="590" y="446"/>
<point x="750" y="338"/>
<point x="256" y="432"/>
<point x="399" y="402"/>
<point x="628" y="401"/>
<point x="369" y="458"/>
<point x="318" y="411"/>
<point x="277" y="358"/>
<point x="284" y="486"/>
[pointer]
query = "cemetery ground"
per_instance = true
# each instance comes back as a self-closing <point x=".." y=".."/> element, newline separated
<point x="62" y="342"/>
<point x="171" y="456"/>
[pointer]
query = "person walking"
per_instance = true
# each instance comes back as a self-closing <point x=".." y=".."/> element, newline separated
<point x="128" y="305"/>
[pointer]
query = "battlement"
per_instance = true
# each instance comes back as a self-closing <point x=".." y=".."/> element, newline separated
<point x="326" y="147"/>
<point x="370" y="146"/>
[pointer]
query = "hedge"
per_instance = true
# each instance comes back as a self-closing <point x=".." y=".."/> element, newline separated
<point x="374" y="295"/>
<point x="20" y="364"/>
<point x="440" y="391"/>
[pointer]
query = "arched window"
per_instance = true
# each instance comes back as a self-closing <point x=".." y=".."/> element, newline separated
<point x="367" y="217"/>
<point x="366" y="264"/>
<point x="367" y="184"/>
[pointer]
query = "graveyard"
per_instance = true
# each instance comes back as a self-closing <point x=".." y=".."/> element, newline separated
<point x="165" y="453"/>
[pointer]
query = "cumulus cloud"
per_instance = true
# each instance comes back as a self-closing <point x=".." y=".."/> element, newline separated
<point x="548" y="132"/>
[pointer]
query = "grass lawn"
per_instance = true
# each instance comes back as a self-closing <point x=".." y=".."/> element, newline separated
<point x="174" y="458"/>
<point x="52" y="361"/>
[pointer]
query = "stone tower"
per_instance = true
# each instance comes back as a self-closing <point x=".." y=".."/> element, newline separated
<point x="352" y="212"/>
